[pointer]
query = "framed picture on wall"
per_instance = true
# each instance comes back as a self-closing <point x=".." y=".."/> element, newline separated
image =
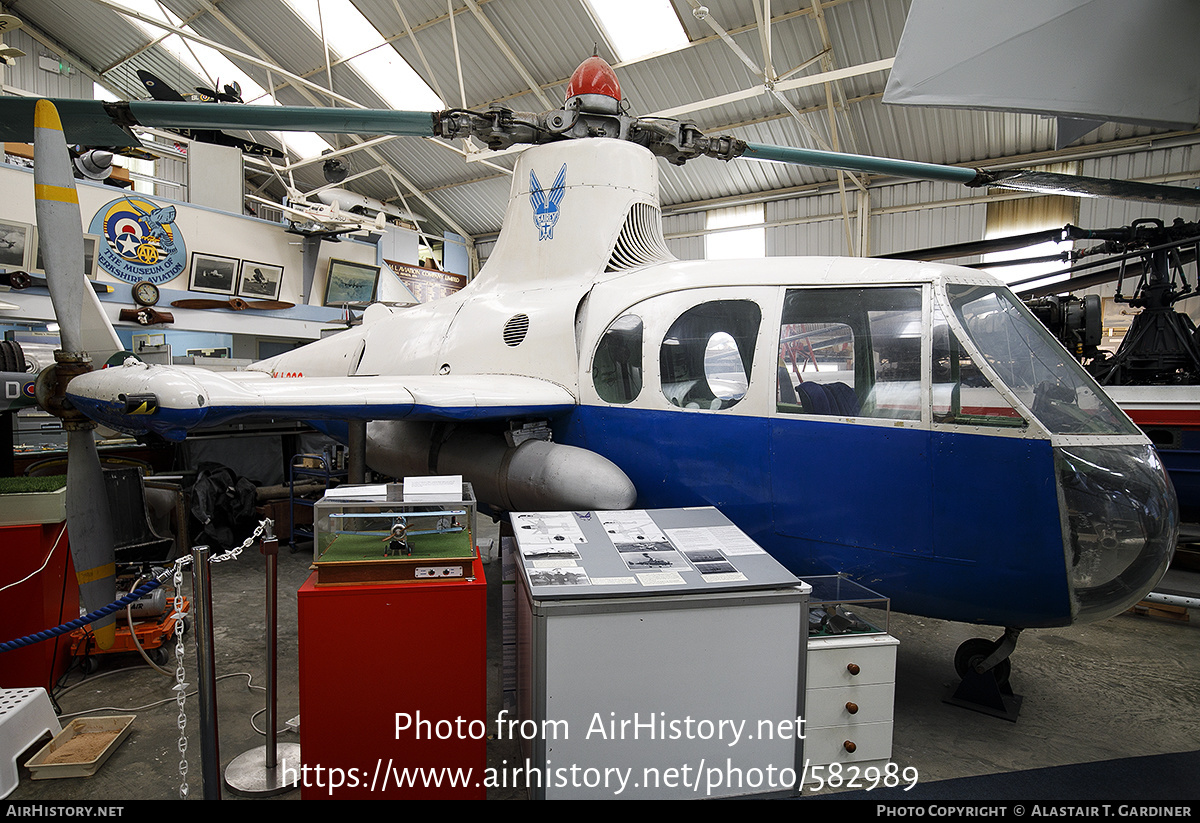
<point x="350" y="283"/>
<point x="214" y="274"/>
<point x="89" y="254"/>
<point x="14" y="244"/>
<point x="260" y="280"/>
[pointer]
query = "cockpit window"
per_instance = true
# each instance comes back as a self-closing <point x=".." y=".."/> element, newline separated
<point x="617" y="366"/>
<point x="1048" y="380"/>
<point x="962" y="394"/>
<point x="707" y="354"/>
<point x="851" y="353"/>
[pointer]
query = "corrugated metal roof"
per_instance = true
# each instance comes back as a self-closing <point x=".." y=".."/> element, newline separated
<point x="504" y="46"/>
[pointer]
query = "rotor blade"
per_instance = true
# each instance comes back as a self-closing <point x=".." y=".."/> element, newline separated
<point x="974" y="247"/>
<point x="1077" y="186"/>
<point x="1029" y="288"/>
<point x="97" y="123"/>
<point x="860" y="162"/>
<point x="1021" y="180"/>
<point x="1061" y="257"/>
<point x="60" y="230"/>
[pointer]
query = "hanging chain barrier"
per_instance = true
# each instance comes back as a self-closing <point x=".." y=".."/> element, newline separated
<point x="180" y="688"/>
<point x="180" y="683"/>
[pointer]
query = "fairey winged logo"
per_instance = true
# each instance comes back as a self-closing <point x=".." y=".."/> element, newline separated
<point x="545" y="204"/>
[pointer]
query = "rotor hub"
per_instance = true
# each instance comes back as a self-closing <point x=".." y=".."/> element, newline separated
<point x="594" y="87"/>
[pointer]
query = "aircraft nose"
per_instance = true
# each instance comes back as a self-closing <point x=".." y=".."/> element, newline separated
<point x="1122" y="521"/>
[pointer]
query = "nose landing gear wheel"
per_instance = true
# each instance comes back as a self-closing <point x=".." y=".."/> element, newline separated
<point x="987" y="691"/>
<point x="973" y="652"/>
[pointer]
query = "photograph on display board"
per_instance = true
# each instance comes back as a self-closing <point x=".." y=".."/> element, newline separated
<point x="14" y="241"/>
<point x="210" y="273"/>
<point x="89" y="254"/>
<point x="260" y="280"/>
<point x="350" y="283"/>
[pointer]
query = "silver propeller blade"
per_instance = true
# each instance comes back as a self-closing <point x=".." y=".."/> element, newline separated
<point x="89" y="530"/>
<point x="60" y="229"/>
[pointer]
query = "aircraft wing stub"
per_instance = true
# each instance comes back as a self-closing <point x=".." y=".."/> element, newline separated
<point x="170" y="401"/>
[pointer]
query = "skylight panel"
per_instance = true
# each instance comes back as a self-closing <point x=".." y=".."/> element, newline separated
<point x="217" y="70"/>
<point x="390" y="76"/>
<point x="353" y="38"/>
<point x="637" y="28"/>
<point x="303" y="144"/>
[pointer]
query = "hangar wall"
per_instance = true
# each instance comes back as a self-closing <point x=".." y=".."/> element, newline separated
<point x="26" y="75"/>
<point x="922" y="214"/>
<point x="210" y="232"/>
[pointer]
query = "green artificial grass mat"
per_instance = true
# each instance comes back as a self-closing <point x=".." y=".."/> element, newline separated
<point x="351" y="547"/>
<point x="25" y="485"/>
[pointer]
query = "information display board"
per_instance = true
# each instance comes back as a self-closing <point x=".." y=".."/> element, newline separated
<point x="661" y="654"/>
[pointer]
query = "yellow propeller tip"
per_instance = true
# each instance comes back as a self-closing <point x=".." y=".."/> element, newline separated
<point x="105" y="636"/>
<point x="45" y="116"/>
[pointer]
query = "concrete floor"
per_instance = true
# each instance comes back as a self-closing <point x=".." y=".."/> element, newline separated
<point x="1126" y="687"/>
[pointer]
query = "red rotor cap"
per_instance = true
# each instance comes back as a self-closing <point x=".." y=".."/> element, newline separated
<point x="594" y="76"/>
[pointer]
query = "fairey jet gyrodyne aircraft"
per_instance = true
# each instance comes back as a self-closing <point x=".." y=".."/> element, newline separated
<point x="910" y="425"/>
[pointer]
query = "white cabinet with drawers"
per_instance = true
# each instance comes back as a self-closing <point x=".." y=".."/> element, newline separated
<point x="849" y="699"/>
<point x="850" y="692"/>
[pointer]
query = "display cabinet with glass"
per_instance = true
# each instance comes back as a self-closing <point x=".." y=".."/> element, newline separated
<point x="377" y="534"/>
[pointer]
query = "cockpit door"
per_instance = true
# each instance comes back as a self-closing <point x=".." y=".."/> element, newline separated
<point x="850" y="437"/>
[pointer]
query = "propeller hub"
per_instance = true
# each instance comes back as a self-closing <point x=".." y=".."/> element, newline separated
<point x="51" y="388"/>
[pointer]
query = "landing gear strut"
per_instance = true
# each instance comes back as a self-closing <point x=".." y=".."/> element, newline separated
<point x="985" y="668"/>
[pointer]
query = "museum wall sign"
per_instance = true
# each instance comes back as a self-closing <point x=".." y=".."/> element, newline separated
<point x="142" y="241"/>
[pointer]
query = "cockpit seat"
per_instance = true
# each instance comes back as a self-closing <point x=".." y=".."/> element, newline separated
<point x="828" y="398"/>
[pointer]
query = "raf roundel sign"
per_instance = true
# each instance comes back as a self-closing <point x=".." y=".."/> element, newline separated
<point x="142" y="241"/>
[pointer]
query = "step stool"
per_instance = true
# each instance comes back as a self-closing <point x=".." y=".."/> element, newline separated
<point x="26" y="716"/>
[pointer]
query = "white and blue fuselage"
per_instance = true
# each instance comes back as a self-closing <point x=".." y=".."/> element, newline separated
<point x="908" y="424"/>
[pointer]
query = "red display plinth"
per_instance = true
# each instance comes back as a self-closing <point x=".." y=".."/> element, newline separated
<point x="393" y="689"/>
<point x="44" y="599"/>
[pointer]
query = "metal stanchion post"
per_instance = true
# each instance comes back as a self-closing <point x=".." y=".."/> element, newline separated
<point x="210" y="756"/>
<point x="356" y="452"/>
<point x="260" y="771"/>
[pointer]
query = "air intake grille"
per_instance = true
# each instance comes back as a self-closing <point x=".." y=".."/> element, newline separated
<point x="641" y="240"/>
<point x="515" y="329"/>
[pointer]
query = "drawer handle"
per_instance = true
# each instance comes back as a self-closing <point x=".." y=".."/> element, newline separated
<point x="852" y="708"/>
<point x="853" y="668"/>
<point x="849" y="746"/>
